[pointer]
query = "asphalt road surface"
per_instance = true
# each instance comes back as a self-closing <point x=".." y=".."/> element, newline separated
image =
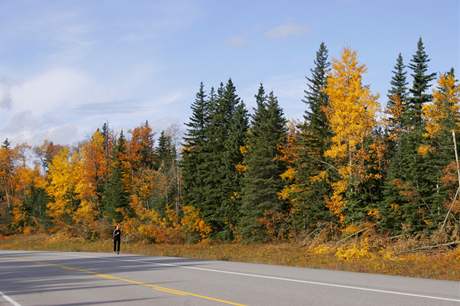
<point x="62" y="278"/>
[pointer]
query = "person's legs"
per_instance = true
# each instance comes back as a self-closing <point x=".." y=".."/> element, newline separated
<point x="114" y="245"/>
<point x="118" y="245"/>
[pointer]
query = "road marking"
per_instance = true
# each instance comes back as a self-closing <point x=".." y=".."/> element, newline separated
<point x="143" y="284"/>
<point x="299" y="281"/>
<point x="325" y="284"/>
<point x="8" y="299"/>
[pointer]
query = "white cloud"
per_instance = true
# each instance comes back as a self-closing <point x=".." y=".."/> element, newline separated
<point x="286" y="30"/>
<point x="50" y="90"/>
<point x="65" y="105"/>
<point x="5" y="94"/>
<point x="47" y="97"/>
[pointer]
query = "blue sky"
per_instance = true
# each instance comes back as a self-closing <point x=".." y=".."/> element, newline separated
<point x="68" y="66"/>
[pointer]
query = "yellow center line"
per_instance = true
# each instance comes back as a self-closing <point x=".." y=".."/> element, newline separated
<point x="143" y="284"/>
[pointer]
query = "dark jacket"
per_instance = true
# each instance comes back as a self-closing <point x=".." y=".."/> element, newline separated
<point x="116" y="234"/>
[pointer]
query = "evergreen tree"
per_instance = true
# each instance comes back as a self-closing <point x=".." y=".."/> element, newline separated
<point x="262" y="181"/>
<point x="441" y="118"/>
<point x="196" y="150"/>
<point x="314" y="140"/>
<point x="167" y="156"/>
<point x="316" y="99"/>
<point x="166" y="152"/>
<point x="409" y="186"/>
<point x="397" y="122"/>
<point x="107" y="134"/>
<point x="115" y="196"/>
<point x="220" y="180"/>
<point x="420" y="85"/>
<point x="396" y="109"/>
<point x="232" y="183"/>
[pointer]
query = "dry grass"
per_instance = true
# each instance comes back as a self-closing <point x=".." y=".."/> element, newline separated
<point x="354" y="256"/>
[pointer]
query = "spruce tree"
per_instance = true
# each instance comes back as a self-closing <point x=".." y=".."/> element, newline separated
<point x="195" y="148"/>
<point x="107" y="134"/>
<point x="220" y="182"/>
<point x="167" y="156"/>
<point x="316" y="99"/>
<point x="232" y="183"/>
<point x="211" y="152"/>
<point x="115" y="196"/>
<point x="225" y="135"/>
<point x="315" y="135"/>
<point x="409" y="185"/>
<point x="441" y="118"/>
<point x="396" y="129"/>
<point x="397" y="103"/>
<point x="262" y="181"/>
<point x="420" y="85"/>
<point x="166" y="152"/>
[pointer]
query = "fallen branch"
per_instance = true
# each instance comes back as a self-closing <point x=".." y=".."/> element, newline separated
<point x="352" y="235"/>
<point x="450" y="208"/>
<point x="309" y="235"/>
<point x="458" y="176"/>
<point x="429" y="247"/>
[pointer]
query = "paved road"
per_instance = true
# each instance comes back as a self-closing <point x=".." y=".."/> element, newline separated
<point x="56" y="278"/>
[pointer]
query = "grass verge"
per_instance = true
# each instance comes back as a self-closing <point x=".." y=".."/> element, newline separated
<point x="441" y="264"/>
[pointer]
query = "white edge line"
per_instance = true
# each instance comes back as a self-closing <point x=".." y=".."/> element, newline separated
<point x="313" y="282"/>
<point x="279" y="278"/>
<point x="10" y="300"/>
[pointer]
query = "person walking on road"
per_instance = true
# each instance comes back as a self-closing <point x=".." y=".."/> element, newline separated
<point x="116" y="236"/>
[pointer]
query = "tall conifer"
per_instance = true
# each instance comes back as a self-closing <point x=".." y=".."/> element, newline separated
<point x="314" y="139"/>
<point x="262" y="181"/>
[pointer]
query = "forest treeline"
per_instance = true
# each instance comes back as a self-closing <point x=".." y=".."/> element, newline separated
<point x="257" y="176"/>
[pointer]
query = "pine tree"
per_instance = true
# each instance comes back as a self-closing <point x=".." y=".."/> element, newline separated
<point x="108" y="139"/>
<point x="420" y="85"/>
<point x="441" y="118"/>
<point x="396" y="128"/>
<point x="116" y="196"/>
<point x="396" y="109"/>
<point x="166" y="152"/>
<point x="196" y="150"/>
<point x="311" y="167"/>
<point x="316" y="98"/>
<point x="262" y="178"/>
<point x="220" y="181"/>
<point x="167" y="157"/>
<point x="232" y="183"/>
<point x="409" y="183"/>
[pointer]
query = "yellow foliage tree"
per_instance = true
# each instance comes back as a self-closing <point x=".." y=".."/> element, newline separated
<point x="351" y="115"/>
<point x="446" y="103"/>
<point x="63" y="177"/>
<point x="90" y="170"/>
<point x="24" y="181"/>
